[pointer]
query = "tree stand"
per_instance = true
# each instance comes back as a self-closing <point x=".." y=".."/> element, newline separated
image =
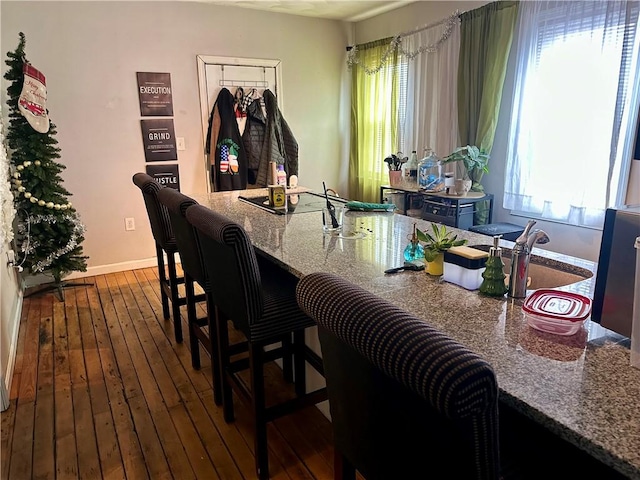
<point x="57" y="286"/>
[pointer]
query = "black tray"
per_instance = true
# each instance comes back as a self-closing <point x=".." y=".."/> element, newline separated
<point x="306" y="202"/>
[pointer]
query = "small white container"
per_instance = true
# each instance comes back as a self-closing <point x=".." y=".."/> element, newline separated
<point x="464" y="266"/>
<point x="465" y="277"/>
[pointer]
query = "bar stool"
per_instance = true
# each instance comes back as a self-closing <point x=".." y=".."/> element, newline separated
<point x="165" y="243"/>
<point x="405" y="399"/>
<point x="189" y="250"/>
<point x="262" y="305"/>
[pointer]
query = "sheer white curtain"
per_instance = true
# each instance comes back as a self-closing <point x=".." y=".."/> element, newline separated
<point x="431" y="104"/>
<point x="575" y="75"/>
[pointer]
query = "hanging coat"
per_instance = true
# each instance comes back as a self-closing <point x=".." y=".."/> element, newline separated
<point x="268" y="139"/>
<point x="226" y="152"/>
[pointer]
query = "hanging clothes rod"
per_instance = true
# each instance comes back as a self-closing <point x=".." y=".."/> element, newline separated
<point x="244" y="83"/>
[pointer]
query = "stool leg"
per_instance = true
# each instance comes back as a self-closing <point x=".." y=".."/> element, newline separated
<point x="343" y="469"/>
<point x="261" y="450"/>
<point x="287" y="364"/>
<point x="162" y="275"/>
<point x="192" y="321"/>
<point x="299" y="361"/>
<point x="175" y="300"/>
<point x="223" y="361"/>
<point x="217" y="372"/>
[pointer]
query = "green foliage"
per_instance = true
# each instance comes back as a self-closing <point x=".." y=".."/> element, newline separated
<point x="49" y="231"/>
<point x="438" y="241"/>
<point x="472" y="157"/>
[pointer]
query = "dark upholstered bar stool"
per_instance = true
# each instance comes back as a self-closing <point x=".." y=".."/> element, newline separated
<point x="262" y="305"/>
<point x="177" y="204"/>
<point x="165" y="242"/>
<point x="406" y="401"/>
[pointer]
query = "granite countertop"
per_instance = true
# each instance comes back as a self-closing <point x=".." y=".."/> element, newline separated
<point x="580" y="387"/>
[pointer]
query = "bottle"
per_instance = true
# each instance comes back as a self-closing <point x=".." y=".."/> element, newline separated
<point x="281" y="176"/>
<point x="493" y="276"/>
<point x="414" y="251"/>
<point x="410" y="171"/>
<point x="429" y="171"/>
<point x="412" y="168"/>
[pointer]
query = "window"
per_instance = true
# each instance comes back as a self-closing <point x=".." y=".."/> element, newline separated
<point x="575" y="88"/>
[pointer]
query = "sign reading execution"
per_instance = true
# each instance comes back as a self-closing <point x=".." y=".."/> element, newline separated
<point x="166" y="175"/>
<point x="159" y="140"/>
<point x="154" y="91"/>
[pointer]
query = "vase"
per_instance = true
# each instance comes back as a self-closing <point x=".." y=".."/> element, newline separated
<point x="462" y="187"/>
<point x="436" y="267"/>
<point x="395" y="178"/>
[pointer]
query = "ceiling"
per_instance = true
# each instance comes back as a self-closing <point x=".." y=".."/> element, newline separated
<point x="349" y="11"/>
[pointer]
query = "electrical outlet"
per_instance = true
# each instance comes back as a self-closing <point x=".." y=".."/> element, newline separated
<point x="129" y="224"/>
<point x="180" y="143"/>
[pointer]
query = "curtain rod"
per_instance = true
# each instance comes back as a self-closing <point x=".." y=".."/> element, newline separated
<point x="420" y="29"/>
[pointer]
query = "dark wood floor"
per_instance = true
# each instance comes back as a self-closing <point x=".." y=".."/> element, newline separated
<point x="101" y="390"/>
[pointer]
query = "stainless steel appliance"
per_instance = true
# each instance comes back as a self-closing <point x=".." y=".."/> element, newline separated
<point x="616" y="274"/>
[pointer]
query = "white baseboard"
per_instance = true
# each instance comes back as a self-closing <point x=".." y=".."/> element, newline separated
<point x="4" y="396"/>
<point x="13" y="345"/>
<point x="115" y="267"/>
<point x="34" y="280"/>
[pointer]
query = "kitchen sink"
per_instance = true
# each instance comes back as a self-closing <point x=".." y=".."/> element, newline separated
<point x="545" y="272"/>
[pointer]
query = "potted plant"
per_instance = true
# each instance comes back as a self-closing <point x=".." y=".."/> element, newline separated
<point x="435" y="244"/>
<point x="475" y="163"/>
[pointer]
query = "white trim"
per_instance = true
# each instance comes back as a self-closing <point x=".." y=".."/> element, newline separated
<point x="151" y="262"/>
<point x="4" y="396"/>
<point x="116" y="267"/>
<point x="13" y="345"/>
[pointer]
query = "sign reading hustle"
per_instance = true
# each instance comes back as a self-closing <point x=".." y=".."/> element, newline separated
<point x="159" y="140"/>
<point x="166" y="175"/>
<point x="154" y="91"/>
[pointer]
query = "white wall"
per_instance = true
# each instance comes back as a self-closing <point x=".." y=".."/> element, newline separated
<point x="569" y="240"/>
<point x="90" y="53"/>
<point x="418" y="14"/>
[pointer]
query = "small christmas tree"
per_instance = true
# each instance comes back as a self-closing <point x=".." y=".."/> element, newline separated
<point x="49" y="231"/>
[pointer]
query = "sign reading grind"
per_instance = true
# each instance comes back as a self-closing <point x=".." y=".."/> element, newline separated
<point x="166" y="175"/>
<point x="154" y="91"/>
<point x="159" y="140"/>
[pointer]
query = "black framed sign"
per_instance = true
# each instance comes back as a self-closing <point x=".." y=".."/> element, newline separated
<point x="159" y="140"/>
<point x="167" y="175"/>
<point x="154" y="91"/>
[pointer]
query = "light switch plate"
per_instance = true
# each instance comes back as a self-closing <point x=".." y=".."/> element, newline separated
<point x="180" y="143"/>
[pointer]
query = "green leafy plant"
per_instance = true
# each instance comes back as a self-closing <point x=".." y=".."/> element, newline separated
<point x="475" y="161"/>
<point x="437" y="242"/>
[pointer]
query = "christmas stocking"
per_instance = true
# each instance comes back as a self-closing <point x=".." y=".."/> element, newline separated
<point x="33" y="98"/>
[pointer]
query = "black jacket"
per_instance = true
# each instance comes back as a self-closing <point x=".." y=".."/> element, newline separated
<point x="268" y="139"/>
<point x="226" y="151"/>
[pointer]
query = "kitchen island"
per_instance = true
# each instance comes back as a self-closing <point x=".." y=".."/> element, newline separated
<point x="580" y="388"/>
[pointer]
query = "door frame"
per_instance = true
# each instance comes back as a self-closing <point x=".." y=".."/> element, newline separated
<point x="203" y="61"/>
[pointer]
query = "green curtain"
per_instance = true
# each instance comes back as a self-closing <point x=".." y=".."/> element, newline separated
<point x="485" y="41"/>
<point x="374" y="119"/>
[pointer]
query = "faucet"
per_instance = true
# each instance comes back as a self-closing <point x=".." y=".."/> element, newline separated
<point x="520" y="257"/>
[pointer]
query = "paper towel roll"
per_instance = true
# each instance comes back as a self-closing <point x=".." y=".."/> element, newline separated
<point x="635" y="322"/>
